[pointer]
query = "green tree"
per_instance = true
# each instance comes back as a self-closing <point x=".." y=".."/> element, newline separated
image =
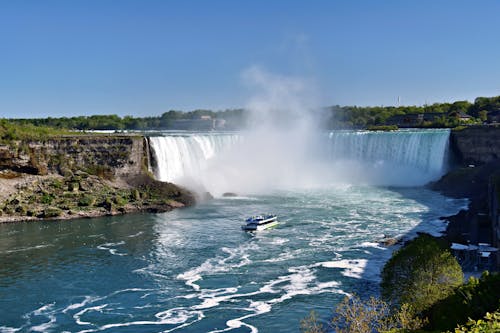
<point x="355" y="315"/>
<point x="420" y="274"/>
<point x="489" y="324"/>
<point x="310" y="324"/>
<point x="483" y="115"/>
<point x="471" y="300"/>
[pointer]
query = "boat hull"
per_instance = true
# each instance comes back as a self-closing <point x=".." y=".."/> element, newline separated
<point x="259" y="227"/>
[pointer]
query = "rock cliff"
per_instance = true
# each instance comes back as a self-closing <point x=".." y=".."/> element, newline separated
<point x="81" y="176"/>
<point x="477" y="152"/>
<point x="113" y="155"/>
<point x="476" y="145"/>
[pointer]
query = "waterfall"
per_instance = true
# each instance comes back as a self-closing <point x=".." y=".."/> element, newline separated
<point x="423" y="150"/>
<point x="185" y="156"/>
<point x="232" y="162"/>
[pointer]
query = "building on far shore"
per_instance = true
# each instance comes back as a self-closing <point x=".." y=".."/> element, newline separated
<point x="418" y="119"/>
<point x="413" y="119"/>
<point x="203" y="123"/>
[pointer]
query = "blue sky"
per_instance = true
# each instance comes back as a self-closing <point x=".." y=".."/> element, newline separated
<point x="66" y="58"/>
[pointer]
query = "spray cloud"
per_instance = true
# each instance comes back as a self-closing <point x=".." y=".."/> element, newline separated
<point x="284" y="148"/>
<point x="278" y="147"/>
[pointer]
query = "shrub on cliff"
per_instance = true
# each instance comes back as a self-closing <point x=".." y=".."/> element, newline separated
<point x="355" y="315"/>
<point x="86" y="200"/>
<point x="471" y="300"/>
<point x="51" y="212"/>
<point x="489" y="324"/>
<point x="420" y="274"/>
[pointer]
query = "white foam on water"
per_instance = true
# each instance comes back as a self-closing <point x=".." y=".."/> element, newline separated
<point x="218" y="264"/>
<point x="48" y="311"/>
<point x="108" y="247"/>
<point x="27" y="248"/>
<point x="373" y="244"/>
<point x="300" y="281"/>
<point x="127" y="290"/>
<point x="168" y="317"/>
<point x="43" y="309"/>
<point x="149" y="270"/>
<point x="212" y="298"/>
<point x="175" y="316"/>
<point x="135" y="235"/>
<point x="434" y="227"/>
<point x="77" y="316"/>
<point x="96" y="236"/>
<point x="353" y="268"/>
<point x="193" y="275"/>
<point x="279" y="241"/>
<point x="86" y="300"/>
<point x="284" y="256"/>
<point x="258" y="307"/>
<point x="246" y="198"/>
<point x="45" y="327"/>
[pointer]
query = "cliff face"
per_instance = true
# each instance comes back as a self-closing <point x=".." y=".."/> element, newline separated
<point x="476" y="145"/>
<point x="81" y="176"/>
<point x="111" y="156"/>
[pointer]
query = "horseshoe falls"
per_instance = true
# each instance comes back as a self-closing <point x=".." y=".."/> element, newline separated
<point x="234" y="163"/>
<point x="194" y="270"/>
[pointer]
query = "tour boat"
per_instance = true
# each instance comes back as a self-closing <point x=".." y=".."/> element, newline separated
<point x="260" y="222"/>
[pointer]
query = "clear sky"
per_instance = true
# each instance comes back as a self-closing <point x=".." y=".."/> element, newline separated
<point x="66" y="58"/>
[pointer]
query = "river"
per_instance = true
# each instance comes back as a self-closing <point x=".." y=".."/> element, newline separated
<point x="195" y="270"/>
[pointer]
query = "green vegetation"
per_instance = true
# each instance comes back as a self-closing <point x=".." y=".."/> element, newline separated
<point x="489" y="324"/>
<point x="355" y="315"/>
<point x="436" y="115"/>
<point x="234" y="119"/>
<point x="102" y="171"/>
<point x="82" y="194"/>
<point x="471" y="300"/>
<point x="51" y="212"/>
<point x="420" y="274"/>
<point x="11" y="131"/>
<point x="424" y="292"/>
<point x="382" y="128"/>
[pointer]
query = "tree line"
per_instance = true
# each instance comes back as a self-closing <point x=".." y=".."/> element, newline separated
<point x="362" y="117"/>
<point x="445" y="115"/>
<point x="233" y="117"/>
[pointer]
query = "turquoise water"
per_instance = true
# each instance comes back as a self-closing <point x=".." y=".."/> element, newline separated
<point x="194" y="270"/>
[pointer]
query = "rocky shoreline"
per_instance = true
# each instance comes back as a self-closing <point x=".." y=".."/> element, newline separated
<point x="82" y="176"/>
<point x="472" y="182"/>
<point x="56" y="197"/>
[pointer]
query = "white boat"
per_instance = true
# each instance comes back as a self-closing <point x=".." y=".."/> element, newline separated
<point x="260" y="222"/>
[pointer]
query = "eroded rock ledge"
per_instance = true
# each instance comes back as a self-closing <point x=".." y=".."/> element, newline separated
<point x="81" y="176"/>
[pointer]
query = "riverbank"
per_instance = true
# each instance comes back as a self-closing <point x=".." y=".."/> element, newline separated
<point x="475" y="225"/>
<point x="80" y="195"/>
<point x="474" y="183"/>
<point x="75" y="176"/>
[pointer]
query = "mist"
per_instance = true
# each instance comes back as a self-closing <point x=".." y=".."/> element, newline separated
<point x="278" y="150"/>
<point x="286" y="148"/>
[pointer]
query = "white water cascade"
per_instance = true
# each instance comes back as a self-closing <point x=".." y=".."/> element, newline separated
<point x="399" y="158"/>
<point x="404" y="157"/>
<point x="180" y="157"/>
